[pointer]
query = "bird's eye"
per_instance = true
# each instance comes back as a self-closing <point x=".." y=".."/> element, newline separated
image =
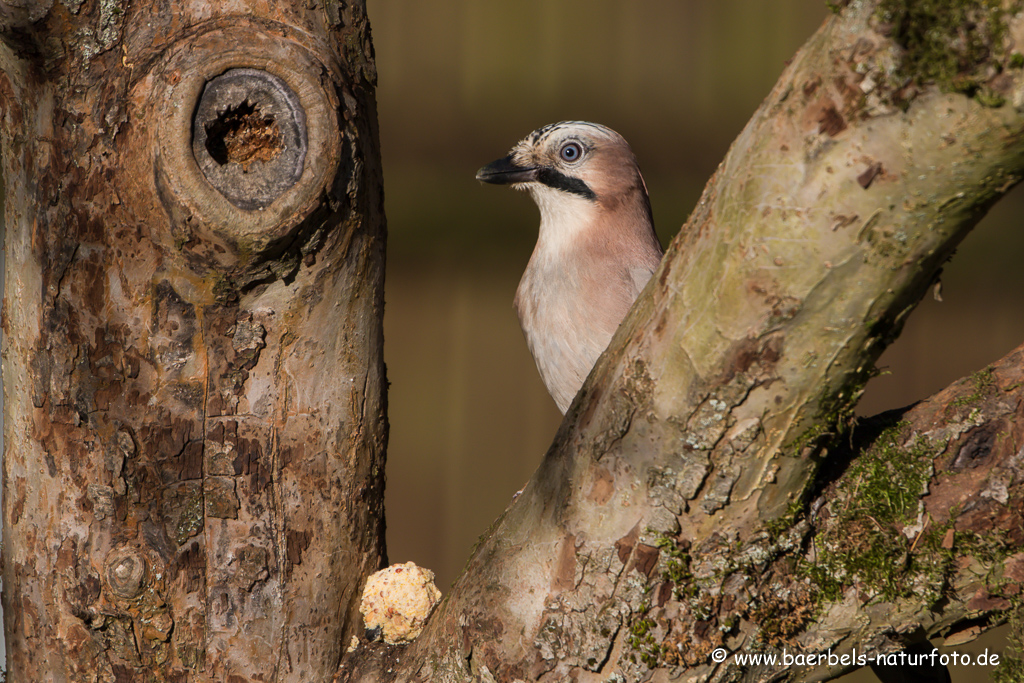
<point x="571" y="151"/>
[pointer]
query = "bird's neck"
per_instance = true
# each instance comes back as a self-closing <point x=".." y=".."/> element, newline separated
<point x="572" y="226"/>
<point x="565" y="220"/>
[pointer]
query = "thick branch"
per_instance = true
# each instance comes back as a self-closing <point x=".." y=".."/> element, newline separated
<point x="952" y="562"/>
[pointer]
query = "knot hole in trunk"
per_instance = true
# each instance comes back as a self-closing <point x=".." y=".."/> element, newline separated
<point x="249" y="137"/>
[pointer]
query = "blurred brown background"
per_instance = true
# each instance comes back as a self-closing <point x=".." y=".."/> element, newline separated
<point x="460" y="81"/>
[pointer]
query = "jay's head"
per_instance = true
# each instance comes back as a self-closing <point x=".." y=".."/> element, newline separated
<point x="573" y="166"/>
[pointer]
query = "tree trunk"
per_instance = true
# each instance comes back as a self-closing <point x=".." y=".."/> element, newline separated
<point x="195" y="417"/>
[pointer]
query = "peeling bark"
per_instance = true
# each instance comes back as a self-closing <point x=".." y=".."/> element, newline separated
<point x="195" y="427"/>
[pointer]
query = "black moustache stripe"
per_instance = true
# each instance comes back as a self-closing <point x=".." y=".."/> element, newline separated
<point x="560" y="181"/>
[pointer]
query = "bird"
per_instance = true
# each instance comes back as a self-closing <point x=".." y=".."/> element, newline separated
<point x="596" y="247"/>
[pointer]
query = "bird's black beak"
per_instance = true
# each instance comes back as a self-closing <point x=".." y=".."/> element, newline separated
<point x="505" y="172"/>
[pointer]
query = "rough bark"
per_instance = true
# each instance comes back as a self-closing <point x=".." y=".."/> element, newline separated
<point x="950" y="564"/>
<point x="195" y="394"/>
<point x="671" y="514"/>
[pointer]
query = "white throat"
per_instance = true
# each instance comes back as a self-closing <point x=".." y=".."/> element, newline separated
<point x="563" y="218"/>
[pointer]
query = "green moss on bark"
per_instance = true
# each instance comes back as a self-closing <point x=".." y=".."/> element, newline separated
<point x="984" y="382"/>
<point x="864" y="541"/>
<point x="643" y="644"/>
<point x="960" y="45"/>
<point x="876" y="537"/>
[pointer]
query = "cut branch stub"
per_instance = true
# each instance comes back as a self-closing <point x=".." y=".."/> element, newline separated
<point x="249" y="137"/>
<point x="126" y="570"/>
<point x="248" y="143"/>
